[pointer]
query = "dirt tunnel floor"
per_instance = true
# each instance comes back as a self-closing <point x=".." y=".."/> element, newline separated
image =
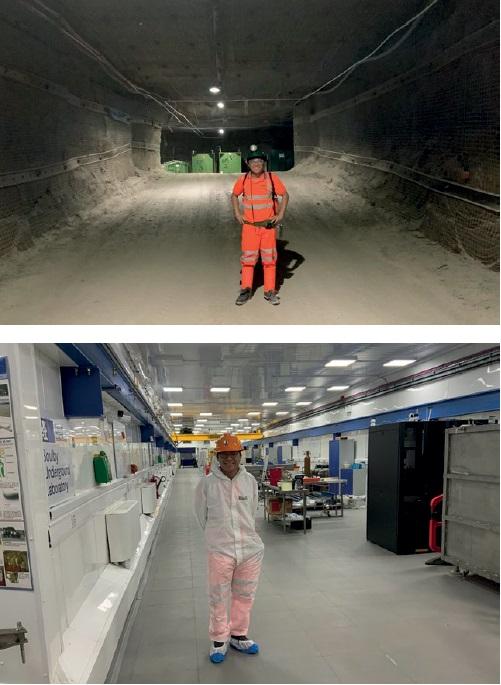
<point x="168" y="253"/>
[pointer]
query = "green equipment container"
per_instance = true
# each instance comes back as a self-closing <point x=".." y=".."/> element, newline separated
<point x="230" y="162"/>
<point x="202" y="164"/>
<point x="281" y="160"/>
<point x="102" y="469"/>
<point x="176" y="166"/>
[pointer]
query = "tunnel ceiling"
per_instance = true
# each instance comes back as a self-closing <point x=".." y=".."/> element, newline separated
<point x="263" y="54"/>
<point x="257" y="373"/>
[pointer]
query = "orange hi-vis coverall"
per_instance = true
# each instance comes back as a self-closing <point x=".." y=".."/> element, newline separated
<point x="259" y="205"/>
<point x="226" y="509"/>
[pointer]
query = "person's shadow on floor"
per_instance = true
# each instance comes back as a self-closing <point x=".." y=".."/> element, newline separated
<point x="288" y="261"/>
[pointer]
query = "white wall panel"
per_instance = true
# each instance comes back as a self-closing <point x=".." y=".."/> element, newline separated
<point x="49" y="385"/>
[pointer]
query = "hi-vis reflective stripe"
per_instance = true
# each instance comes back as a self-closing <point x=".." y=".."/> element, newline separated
<point x="268" y="255"/>
<point x="257" y="205"/>
<point x="249" y="257"/>
<point x="249" y="201"/>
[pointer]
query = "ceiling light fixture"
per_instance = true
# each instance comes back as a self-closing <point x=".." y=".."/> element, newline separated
<point x="337" y="387"/>
<point x="175" y="413"/>
<point x="215" y="90"/>
<point x="220" y="390"/>
<point x="341" y="362"/>
<point x="173" y="390"/>
<point x="270" y="404"/>
<point x="221" y="131"/>
<point x="174" y="404"/>
<point x="400" y="362"/>
<point x="302" y="404"/>
<point x="220" y="105"/>
<point x="205" y="413"/>
<point x="295" y="388"/>
<point x="281" y="413"/>
<point x="253" y="413"/>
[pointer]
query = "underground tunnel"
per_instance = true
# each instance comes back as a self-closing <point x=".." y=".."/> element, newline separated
<point x="380" y="118"/>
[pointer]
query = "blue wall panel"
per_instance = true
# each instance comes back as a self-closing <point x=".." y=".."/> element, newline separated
<point x="347" y="488"/>
<point x="81" y="389"/>
<point x="333" y="463"/>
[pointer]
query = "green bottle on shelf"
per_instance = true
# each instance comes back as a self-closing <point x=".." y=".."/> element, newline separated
<point x="102" y="469"/>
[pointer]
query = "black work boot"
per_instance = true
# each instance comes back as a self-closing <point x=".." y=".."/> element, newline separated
<point x="271" y="297"/>
<point x="244" y="296"/>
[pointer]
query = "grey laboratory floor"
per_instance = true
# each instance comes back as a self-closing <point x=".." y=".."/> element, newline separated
<point x="330" y="608"/>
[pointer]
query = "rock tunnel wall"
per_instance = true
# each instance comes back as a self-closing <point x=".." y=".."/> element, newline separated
<point x="69" y="136"/>
<point x="430" y="107"/>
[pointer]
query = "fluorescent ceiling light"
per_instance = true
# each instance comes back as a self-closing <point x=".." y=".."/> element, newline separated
<point x="281" y="413"/>
<point x="220" y="390"/>
<point x="176" y="413"/>
<point x="244" y="420"/>
<point x="400" y="362"/>
<point x="302" y="404"/>
<point x="174" y="404"/>
<point x="201" y="420"/>
<point x="173" y="390"/>
<point x="205" y="413"/>
<point x="235" y="424"/>
<point x="220" y="105"/>
<point x="341" y="362"/>
<point x="253" y="413"/>
<point x="337" y="387"/>
<point x="270" y="404"/>
<point x="215" y="90"/>
<point x="295" y="388"/>
<point x="256" y="424"/>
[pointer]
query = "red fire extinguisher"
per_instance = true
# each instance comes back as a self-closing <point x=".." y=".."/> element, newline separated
<point x="435" y="525"/>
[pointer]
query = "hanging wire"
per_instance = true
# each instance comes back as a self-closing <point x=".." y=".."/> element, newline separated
<point x="50" y="15"/>
<point x="413" y="22"/>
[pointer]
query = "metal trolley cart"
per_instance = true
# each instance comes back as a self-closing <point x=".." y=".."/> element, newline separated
<point x="274" y="492"/>
<point x="329" y="501"/>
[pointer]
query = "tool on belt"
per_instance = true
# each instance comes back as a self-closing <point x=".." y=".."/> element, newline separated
<point x="264" y="224"/>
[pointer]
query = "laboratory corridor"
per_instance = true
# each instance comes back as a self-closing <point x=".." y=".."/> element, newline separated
<point x="330" y="608"/>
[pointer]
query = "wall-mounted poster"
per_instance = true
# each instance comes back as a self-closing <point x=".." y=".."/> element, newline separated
<point x="15" y="571"/>
<point x="6" y="425"/>
<point x="14" y="558"/>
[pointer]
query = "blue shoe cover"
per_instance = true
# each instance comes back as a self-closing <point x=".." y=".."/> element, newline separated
<point x="217" y="657"/>
<point x="253" y="648"/>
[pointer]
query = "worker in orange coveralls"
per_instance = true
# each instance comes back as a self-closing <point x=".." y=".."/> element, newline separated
<point x="262" y="213"/>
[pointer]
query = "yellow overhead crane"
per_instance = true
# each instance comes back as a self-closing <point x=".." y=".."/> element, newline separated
<point x="205" y="437"/>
